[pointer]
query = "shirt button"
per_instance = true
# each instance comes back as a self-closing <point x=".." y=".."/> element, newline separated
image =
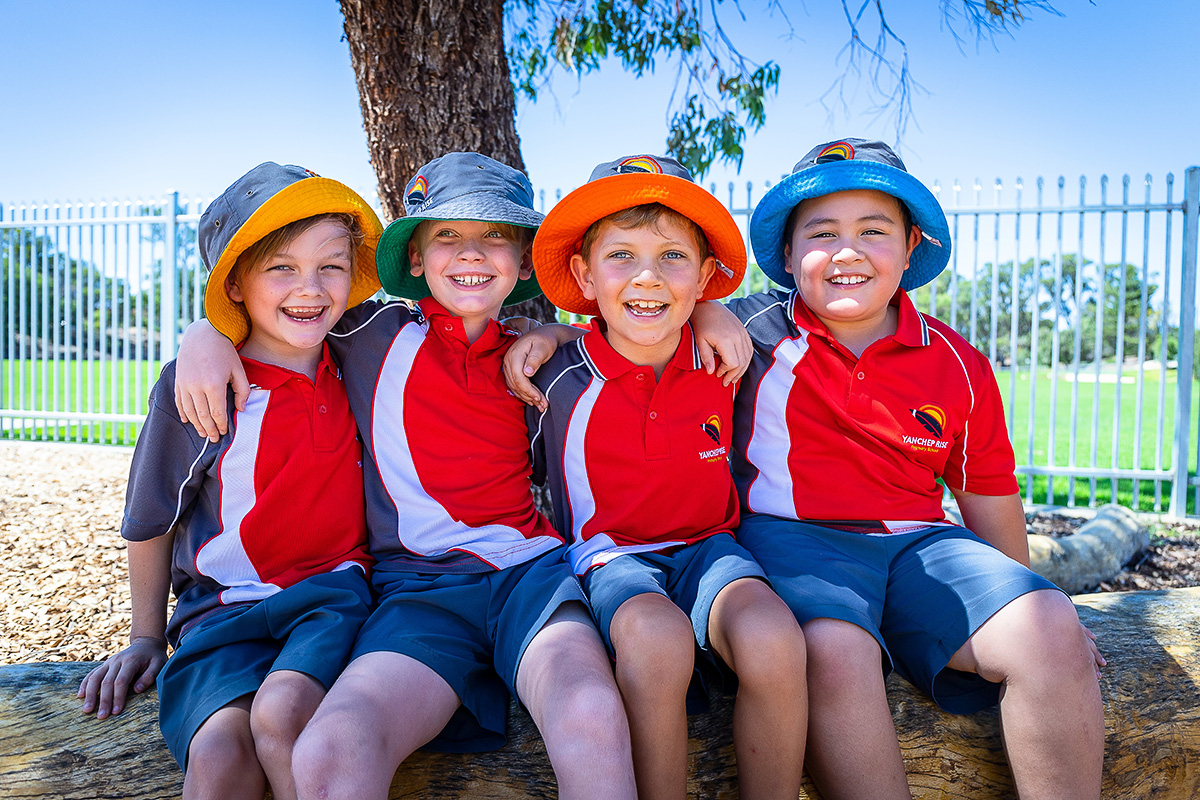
<point x="322" y="409"/>
<point x="653" y="415"/>
<point x="862" y="375"/>
<point x="641" y="377"/>
<point x="449" y="327"/>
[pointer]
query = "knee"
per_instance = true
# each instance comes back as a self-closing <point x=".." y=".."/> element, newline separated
<point x="769" y="650"/>
<point x="589" y="712"/>
<point x="840" y="656"/>
<point x="329" y="741"/>
<point x="654" y="639"/>
<point x="1048" y="636"/>
<point x="216" y="756"/>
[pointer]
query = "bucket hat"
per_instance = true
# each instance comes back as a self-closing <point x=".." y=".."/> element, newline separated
<point x="842" y="166"/>
<point x="466" y="186"/>
<point x="263" y="200"/>
<point x="624" y="183"/>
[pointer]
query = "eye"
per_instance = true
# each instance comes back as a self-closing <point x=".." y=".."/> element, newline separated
<point x="338" y="267"/>
<point x="674" y="255"/>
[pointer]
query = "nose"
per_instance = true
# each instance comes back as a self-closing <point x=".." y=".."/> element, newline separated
<point x="471" y="250"/>
<point x="648" y="277"/>
<point x="846" y="255"/>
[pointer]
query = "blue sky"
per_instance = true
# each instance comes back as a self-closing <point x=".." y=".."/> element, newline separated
<point x="110" y="100"/>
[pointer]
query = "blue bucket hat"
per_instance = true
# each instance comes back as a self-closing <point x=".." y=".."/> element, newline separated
<point x="465" y="186"/>
<point x="842" y="166"/>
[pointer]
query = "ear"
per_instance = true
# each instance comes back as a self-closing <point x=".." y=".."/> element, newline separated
<point x="234" y="291"/>
<point x="583" y="276"/>
<point x="708" y="268"/>
<point x="526" y="271"/>
<point x="787" y="259"/>
<point x="416" y="264"/>
<point x="914" y="239"/>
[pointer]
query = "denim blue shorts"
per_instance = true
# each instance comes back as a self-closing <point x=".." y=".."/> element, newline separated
<point x="921" y="594"/>
<point x="472" y="630"/>
<point x="691" y="577"/>
<point x="308" y="627"/>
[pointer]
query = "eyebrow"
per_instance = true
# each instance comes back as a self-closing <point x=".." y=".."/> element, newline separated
<point x="830" y="220"/>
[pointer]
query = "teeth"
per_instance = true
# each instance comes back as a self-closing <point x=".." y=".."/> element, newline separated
<point x="848" y="280"/>
<point x="471" y="280"/>
<point x="303" y="314"/>
<point x="645" y="307"/>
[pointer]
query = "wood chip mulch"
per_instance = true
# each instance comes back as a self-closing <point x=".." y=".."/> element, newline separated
<point x="64" y="590"/>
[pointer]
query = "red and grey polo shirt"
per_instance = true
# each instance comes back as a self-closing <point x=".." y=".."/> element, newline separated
<point x="634" y="464"/>
<point x="821" y="434"/>
<point x="448" y="472"/>
<point x="278" y="499"/>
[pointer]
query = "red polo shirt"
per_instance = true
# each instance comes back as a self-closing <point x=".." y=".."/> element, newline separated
<point x="634" y="464"/>
<point x="822" y="434"/>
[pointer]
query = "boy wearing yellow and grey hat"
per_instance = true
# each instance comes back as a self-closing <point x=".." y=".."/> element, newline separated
<point x="261" y="534"/>
<point x="633" y="440"/>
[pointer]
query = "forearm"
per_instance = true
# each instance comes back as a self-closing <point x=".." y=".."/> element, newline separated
<point x="150" y="587"/>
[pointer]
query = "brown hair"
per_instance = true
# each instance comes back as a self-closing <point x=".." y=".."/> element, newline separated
<point x="280" y="238"/>
<point x="647" y="215"/>
<point x="516" y="233"/>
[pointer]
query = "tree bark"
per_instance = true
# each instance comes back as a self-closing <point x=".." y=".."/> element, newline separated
<point x="433" y="78"/>
<point x="1152" y="718"/>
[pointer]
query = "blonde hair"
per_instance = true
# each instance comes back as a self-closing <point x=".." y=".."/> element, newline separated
<point x="647" y="215"/>
<point x="516" y="233"/>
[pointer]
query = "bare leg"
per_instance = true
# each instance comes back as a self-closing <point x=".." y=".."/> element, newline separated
<point x="222" y="763"/>
<point x="381" y="709"/>
<point x="282" y="707"/>
<point x="757" y="636"/>
<point x="566" y="682"/>
<point x="853" y="752"/>
<point x="655" y="649"/>
<point x="1051" y="712"/>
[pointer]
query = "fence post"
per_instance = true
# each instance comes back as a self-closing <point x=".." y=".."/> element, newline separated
<point x="1187" y="333"/>
<point x="167" y="310"/>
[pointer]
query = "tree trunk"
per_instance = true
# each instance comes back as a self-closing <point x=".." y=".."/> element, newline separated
<point x="433" y="78"/>
<point x="1151" y="691"/>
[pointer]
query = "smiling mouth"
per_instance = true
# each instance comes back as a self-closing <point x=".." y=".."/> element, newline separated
<point x="304" y="314"/>
<point x="471" y="280"/>
<point x="848" y="280"/>
<point x="645" y="308"/>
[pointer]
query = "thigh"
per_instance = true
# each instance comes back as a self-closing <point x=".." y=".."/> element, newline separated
<point x="702" y="571"/>
<point x="567" y="650"/>
<point x="612" y="585"/>
<point x="943" y="587"/>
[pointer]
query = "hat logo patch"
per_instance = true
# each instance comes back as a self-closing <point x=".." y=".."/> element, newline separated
<point x="640" y="164"/>
<point x="311" y="174"/>
<point x="419" y="189"/>
<point x="838" y="151"/>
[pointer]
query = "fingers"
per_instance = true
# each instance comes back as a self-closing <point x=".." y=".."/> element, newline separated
<point x="241" y="393"/>
<point x="1097" y="656"/>
<point x="708" y="356"/>
<point x="520" y="362"/>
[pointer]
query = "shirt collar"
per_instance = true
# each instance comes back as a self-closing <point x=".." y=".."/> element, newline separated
<point x="271" y="376"/>
<point x="494" y="335"/>
<point x="911" y="328"/>
<point x="608" y="364"/>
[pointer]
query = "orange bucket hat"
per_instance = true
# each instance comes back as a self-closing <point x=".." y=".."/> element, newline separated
<point x="615" y="186"/>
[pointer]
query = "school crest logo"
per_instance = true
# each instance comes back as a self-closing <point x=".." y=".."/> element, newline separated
<point x="639" y="164"/>
<point x="420" y="187"/>
<point x="932" y="418"/>
<point x="838" y="151"/>
<point x="712" y="429"/>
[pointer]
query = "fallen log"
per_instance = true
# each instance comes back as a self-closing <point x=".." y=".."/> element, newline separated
<point x="49" y="750"/>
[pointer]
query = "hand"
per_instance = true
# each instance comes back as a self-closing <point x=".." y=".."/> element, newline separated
<point x="528" y="353"/>
<point x="719" y="332"/>
<point x="207" y="363"/>
<point x="1097" y="656"/>
<point x="105" y="688"/>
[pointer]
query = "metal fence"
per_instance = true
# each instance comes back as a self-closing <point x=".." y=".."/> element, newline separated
<point x="1084" y="301"/>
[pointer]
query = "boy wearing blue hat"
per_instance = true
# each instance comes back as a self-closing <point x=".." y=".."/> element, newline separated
<point x="854" y="411"/>
<point x="262" y="533"/>
<point x="476" y="604"/>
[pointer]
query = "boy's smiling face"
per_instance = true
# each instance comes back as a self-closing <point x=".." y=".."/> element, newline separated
<point x="470" y="266"/>
<point x="295" y="295"/>
<point x="847" y="253"/>
<point x="646" y="281"/>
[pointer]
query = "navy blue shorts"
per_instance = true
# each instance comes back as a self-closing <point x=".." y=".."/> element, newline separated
<point x="472" y="630"/>
<point x="691" y="577"/>
<point x="308" y="627"/>
<point x="921" y="594"/>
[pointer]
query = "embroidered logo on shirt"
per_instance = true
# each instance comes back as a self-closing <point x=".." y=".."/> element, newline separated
<point x="712" y="429"/>
<point x="933" y="419"/>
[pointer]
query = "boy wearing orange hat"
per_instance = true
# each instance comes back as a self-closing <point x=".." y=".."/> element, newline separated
<point x="262" y="533"/>
<point x="634" y="439"/>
